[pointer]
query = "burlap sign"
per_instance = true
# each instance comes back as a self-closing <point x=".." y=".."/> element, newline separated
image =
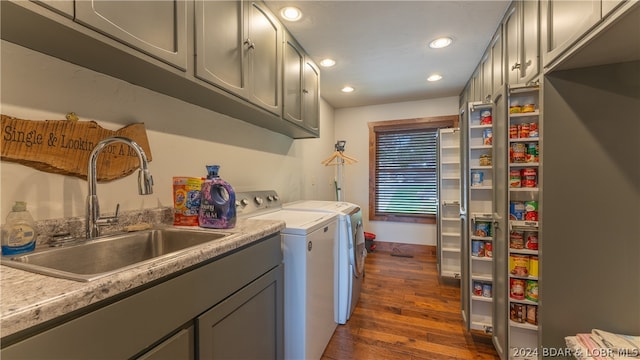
<point x="63" y="146"/>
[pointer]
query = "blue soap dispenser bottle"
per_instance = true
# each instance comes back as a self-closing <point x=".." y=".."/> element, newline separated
<point x="18" y="234"/>
<point x="217" y="202"/>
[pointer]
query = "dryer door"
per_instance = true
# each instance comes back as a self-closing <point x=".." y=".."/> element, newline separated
<point x="357" y="248"/>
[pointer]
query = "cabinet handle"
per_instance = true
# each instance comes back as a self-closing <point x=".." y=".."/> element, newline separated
<point x="305" y="91"/>
<point x="515" y="66"/>
<point x="250" y="44"/>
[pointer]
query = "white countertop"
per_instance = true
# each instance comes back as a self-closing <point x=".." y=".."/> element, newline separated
<point x="28" y="299"/>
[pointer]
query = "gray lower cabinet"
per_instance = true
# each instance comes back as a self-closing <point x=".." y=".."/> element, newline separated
<point x="157" y="28"/>
<point x="64" y="7"/>
<point x="231" y="307"/>
<point x="238" y="48"/>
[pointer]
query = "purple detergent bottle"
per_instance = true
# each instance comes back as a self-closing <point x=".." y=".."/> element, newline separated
<point x="217" y="202"/>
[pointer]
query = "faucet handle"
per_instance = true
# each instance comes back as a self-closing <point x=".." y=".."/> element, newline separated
<point x="108" y="220"/>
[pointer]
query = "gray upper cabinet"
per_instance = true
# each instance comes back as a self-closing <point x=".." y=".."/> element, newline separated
<point x="521" y="42"/>
<point x="238" y="48"/>
<point x="157" y="28"/>
<point x="487" y="76"/>
<point x="497" y="61"/>
<point x="301" y="86"/>
<point x="563" y="22"/>
<point x="311" y="96"/>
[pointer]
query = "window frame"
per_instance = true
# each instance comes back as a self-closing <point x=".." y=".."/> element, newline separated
<point x="437" y="122"/>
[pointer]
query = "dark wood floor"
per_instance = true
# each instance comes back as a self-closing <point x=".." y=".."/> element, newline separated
<point x="406" y="312"/>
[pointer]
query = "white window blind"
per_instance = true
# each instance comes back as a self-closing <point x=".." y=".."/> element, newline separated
<point x="405" y="175"/>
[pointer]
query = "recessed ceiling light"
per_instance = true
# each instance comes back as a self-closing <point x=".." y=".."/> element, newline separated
<point x="291" y="13"/>
<point x="347" y="89"/>
<point x="434" y="77"/>
<point x="440" y="43"/>
<point x="327" y="62"/>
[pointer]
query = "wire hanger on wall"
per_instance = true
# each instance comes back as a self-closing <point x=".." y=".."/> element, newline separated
<point x="339" y="158"/>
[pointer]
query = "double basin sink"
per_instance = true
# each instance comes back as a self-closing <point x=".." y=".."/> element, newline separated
<point x="107" y="255"/>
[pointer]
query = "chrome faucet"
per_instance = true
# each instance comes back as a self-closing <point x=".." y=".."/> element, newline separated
<point x="145" y="184"/>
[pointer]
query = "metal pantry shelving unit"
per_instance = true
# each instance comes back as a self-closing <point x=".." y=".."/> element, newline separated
<point x="448" y="224"/>
<point x="523" y="196"/>
<point x="477" y="216"/>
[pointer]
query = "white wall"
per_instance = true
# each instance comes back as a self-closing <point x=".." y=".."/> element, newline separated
<point x="183" y="139"/>
<point x="351" y="125"/>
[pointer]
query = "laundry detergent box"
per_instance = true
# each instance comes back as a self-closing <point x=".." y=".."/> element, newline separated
<point x="186" y="200"/>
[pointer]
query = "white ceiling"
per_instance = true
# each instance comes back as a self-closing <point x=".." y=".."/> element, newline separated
<point x="381" y="46"/>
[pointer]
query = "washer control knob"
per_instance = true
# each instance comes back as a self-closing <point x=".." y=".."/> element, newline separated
<point x="270" y="198"/>
<point x="244" y="202"/>
<point x="259" y="200"/>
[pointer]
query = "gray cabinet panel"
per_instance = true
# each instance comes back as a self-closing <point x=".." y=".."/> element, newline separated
<point x="512" y="56"/>
<point x="157" y="28"/>
<point x="487" y="76"/>
<point x="530" y="43"/>
<point x="311" y="96"/>
<point x="247" y="324"/>
<point x="264" y="35"/>
<point x="563" y="22"/>
<point x="178" y="347"/>
<point x="293" y="57"/>
<point x="219" y="41"/>
<point x="64" y="7"/>
<point x="497" y="57"/>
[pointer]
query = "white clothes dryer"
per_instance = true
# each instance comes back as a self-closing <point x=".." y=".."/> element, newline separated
<point x="351" y="251"/>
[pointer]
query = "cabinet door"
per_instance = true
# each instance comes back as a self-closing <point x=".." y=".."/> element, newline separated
<point x="311" y="96"/>
<point x="157" y="28"/>
<point x="487" y="76"/>
<point x="497" y="64"/>
<point x="219" y="45"/>
<point x="264" y="42"/>
<point x="530" y="43"/>
<point x="292" y="85"/>
<point x="253" y="316"/>
<point x="563" y="22"/>
<point x="179" y="346"/>
<point x="512" y="56"/>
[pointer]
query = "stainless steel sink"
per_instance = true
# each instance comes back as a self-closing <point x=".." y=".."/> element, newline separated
<point x="108" y="255"/>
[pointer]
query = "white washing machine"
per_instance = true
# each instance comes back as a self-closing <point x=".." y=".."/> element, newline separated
<point x="309" y="247"/>
<point x="351" y="251"/>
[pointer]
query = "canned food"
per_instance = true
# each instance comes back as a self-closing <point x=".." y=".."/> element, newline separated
<point x="518" y="153"/>
<point x="531" y="290"/>
<point x="533" y="130"/>
<point x="532" y="152"/>
<point x="517" y="312"/>
<point x="486" y="290"/>
<point x="477" y="248"/>
<point x="485" y="160"/>
<point x="513" y="131"/>
<point x="516" y="289"/>
<point x="487" y="137"/>
<point x="477" y="288"/>
<point x="532" y="314"/>
<point x="488" y="249"/>
<point x="531" y="210"/>
<point x="523" y="130"/>
<point x="483" y="228"/>
<point x="533" y="266"/>
<point x="485" y="117"/>
<point x="515" y="109"/>
<point x="477" y="178"/>
<point x="516" y="210"/>
<point x="519" y="265"/>
<point x="515" y="180"/>
<point x="529" y="108"/>
<point x="529" y="177"/>
<point x="516" y="239"/>
<point x="531" y="240"/>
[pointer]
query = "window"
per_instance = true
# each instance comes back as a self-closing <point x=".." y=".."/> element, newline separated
<point x="402" y="168"/>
